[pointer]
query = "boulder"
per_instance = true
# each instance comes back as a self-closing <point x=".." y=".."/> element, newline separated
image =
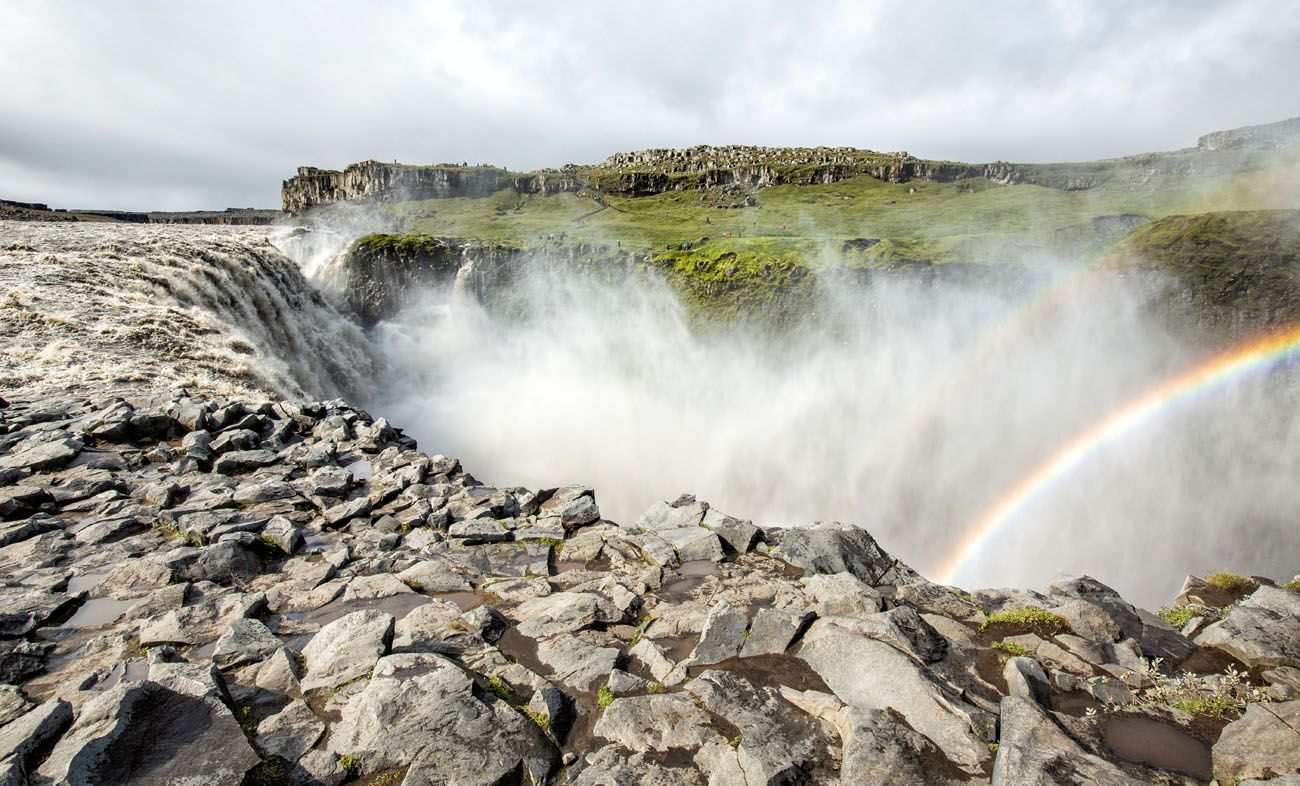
<point x="575" y="663"/>
<point x="43" y="456"/>
<point x="564" y="612"/>
<point x="656" y="723"/>
<point x="143" y="734"/>
<point x="424" y="711"/>
<point x="1262" y="743"/>
<point x="832" y="547"/>
<point x="244" y="641"/>
<point x="1262" y="630"/>
<point x="291" y="732"/>
<point x="32" y="733"/>
<point x="346" y="648"/>
<point x="722" y="636"/>
<point x="1034" y="751"/>
<point x="240" y="461"/>
<point x="872" y="675"/>
<point x="773" y="630"/>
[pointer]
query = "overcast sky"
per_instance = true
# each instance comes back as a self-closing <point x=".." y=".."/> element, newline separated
<point x="187" y="105"/>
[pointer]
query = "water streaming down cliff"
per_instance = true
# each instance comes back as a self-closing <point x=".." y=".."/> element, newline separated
<point x="104" y="308"/>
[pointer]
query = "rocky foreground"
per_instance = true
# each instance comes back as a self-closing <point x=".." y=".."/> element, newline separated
<point x="216" y="592"/>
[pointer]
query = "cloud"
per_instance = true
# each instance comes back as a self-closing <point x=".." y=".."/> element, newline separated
<point x="206" y="104"/>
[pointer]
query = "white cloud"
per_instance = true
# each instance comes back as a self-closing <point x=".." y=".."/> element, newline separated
<point x="205" y="104"/>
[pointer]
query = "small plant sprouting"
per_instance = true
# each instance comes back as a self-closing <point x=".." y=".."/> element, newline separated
<point x="604" y="697"/>
<point x="499" y="687"/>
<point x="351" y="765"/>
<point x="1293" y="585"/>
<point x="1011" y="648"/>
<point x="542" y="720"/>
<point x="656" y="687"/>
<point x="1178" y="616"/>
<point x="734" y="741"/>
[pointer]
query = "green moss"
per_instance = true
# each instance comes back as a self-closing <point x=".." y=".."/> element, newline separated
<point x="1011" y="648"/>
<point x="351" y="765"/>
<point x="1214" y="706"/>
<point x="1231" y="582"/>
<point x="1031" y="619"/>
<point x="499" y="687"/>
<point x="1178" y="616"/>
<point x="604" y="698"/>
<point x="1293" y="585"/>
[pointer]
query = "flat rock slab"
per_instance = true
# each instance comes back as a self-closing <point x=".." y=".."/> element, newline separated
<point x="1262" y="630"/>
<point x="1262" y="743"/>
<point x="143" y="734"/>
<point x="1034" y="751"/>
<point x="346" y="648"/>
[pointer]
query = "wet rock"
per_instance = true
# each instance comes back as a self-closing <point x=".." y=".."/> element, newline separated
<point x="12" y="703"/>
<point x="291" y="732"/>
<point x="24" y="610"/>
<point x="1262" y="630"/>
<point x="1262" y="743"/>
<point x="20" y="501"/>
<point x="433" y="575"/>
<point x="346" y="648"/>
<point x="1034" y="751"/>
<point x="145" y="734"/>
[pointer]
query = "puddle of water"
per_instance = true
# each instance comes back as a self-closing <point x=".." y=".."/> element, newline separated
<point x="465" y="600"/>
<point x="770" y="670"/>
<point x="85" y="582"/>
<point x="676" y="648"/>
<point x="360" y="469"/>
<point x="689" y="577"/>
<point x="98" y="612"/>
<point x="522" y="650"/>
<point x="1158" y="744"/>
<point x="132" y="670"/>
<point x="1076" y="703"/>
<point x="398" y="605"/>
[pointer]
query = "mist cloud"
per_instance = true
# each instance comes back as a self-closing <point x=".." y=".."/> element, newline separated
<point x="201" y="105"/>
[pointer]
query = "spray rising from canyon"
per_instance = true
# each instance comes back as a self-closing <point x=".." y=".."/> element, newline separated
<point x="908" y="405"/>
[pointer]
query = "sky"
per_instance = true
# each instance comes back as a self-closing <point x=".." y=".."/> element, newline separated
<point x="205" y="105"/>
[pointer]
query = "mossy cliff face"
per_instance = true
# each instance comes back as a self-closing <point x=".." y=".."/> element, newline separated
<point x="1227" y="273"/>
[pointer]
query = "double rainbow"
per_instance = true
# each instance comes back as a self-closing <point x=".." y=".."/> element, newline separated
<point x="1241" y="361"/>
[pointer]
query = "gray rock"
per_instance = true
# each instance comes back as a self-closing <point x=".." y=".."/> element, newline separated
<point x="44" y="456"/>
<point x="291" y="732"/>
<point x="146" y="735"/>
<point x="779" y="743"/>
<point x="1262" y="743"/>
<point x="556" y="706"/>
<point x="330" y="482"/>
<point x="425" y="711"/>
<point x="621" y="682"/>
<point x="737" y="536"/>
<point x="244" y="641"/>
<point x="225" y="563"/>
<point x="434" y="575"/>
<point x="612" y="765"/>
<point x="576" y="663"/>
<point x="579" y="512"/>
<point x="25" y="738"/>
<point x="1026" y="679"/>
<point x="236" y="439"/>
<point x="693" y="544"/>
<point x="879" y="747"/>
<point x="346" y="648"/>
<point x="477" y="531"/>
<point x="1034" y="751"/>
<point x="24" y="610"/>
<point x="286" y="535"/>
<point x="12" y="703"/>
<point x="903" y="629"/>
<point x="832" y="547"/>
<point x="240" y="461"/>
<point x="773" y="630"/>
<point x="318" y="768"/>
<point x="1262" y="630"/>
<point x="870" y="674"/>
<point x="722" y="636"/>
<point x="656" y="723"/>
<point x="564" y="612"/>
<point x="485" y="622"/>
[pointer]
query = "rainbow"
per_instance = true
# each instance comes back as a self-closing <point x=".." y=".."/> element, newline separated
<point x="1252" y="356"/>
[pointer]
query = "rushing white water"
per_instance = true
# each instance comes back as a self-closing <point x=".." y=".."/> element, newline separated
<point x="100" y="308"/>
<point x="910" y="417"/>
